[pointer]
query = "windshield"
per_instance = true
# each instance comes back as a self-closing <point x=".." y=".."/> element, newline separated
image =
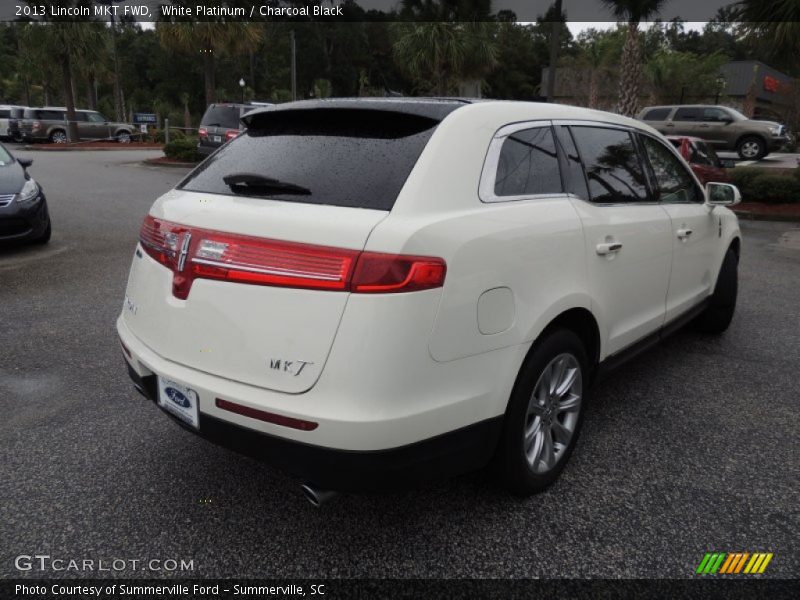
<point x="737" y="116"/>
<point x="342" y="157"/>
<point x="5" y="157"/>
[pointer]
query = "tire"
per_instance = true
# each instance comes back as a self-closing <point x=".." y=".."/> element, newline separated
<point x="718" y="315"/>
<point x="45" y="237"/>
<point x="521" y="461"/>
<point x="124" y="137"/>
<point x="751" y="147"/>
<point x="58" y="137"/>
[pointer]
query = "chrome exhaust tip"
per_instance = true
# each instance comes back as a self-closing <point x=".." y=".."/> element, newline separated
<point x="316" y="496"/>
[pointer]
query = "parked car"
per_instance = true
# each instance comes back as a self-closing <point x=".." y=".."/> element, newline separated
<point x="702" y="158"/>
<point x="15" y="123"/>
<point x="220" y="124"/>
<point x="23" y="207"/>
<point x="7" y="112"/>
<point x="49" y="124"/>
<point x="372" y="292"/>
<point x="723" y="127"/>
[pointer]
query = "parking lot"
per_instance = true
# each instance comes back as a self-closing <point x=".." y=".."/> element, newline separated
<point x="691" y="448"/>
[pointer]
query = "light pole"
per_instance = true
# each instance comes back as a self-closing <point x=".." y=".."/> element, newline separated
<point x="241" y="85"/>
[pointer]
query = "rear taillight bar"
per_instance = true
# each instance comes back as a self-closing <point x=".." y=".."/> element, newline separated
<point x="267" y="417"/>
<point x="193" y="253"/>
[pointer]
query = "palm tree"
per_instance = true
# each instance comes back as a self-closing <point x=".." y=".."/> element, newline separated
<point x="776" y="20"/>
<point x="632" y="12"/>
<point x="440" y="55"/>
<point x="210" y="38"/>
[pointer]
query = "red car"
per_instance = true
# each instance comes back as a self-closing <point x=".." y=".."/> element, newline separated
<point x="701" y="157"/>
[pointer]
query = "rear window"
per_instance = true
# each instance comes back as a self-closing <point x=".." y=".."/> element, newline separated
<point x="4" y="113"/>
<point x="219" y="115"/>
<point x="45" y="115"/>
<point x="341" y="157"/>
<point x="656" y="114"/>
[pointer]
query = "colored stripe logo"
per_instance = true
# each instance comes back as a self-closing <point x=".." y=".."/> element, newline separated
<point x="731" y="563"/>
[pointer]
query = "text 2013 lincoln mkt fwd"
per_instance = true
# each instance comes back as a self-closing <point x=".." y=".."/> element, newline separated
<point x="369" y="292"/>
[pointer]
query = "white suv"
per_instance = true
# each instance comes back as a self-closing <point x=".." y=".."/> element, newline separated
<point x="370" y="292"/>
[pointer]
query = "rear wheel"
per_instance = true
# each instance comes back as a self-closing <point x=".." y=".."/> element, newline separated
<point x="751" y="148"/>
<point x="719" y="313"/>
<point x="58" y="137"/>
<point x="545" y="414"/>
<point x="124" y="137"/>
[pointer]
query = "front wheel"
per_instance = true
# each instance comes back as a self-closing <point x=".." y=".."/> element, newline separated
<point x="717" y="316"/>
<point x="58" y="137"/>
<point x="545" y="414"/>
<point x="124" y="137"/>
<point x="751" y="148"/>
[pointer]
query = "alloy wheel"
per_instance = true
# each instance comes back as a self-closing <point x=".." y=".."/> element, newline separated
<point x="751" y="149"/>
<point x="553" y="411"/>
<point x="59" y="137"/>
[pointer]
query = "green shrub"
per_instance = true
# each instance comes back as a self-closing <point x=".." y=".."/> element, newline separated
<point x="767" y="185"/>
<point x="184" y="148"/>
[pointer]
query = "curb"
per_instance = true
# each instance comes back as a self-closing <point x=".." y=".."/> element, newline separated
<point x="754" y="216"/>
<point x="154" y="162"/>
<point x="31" y="148"/>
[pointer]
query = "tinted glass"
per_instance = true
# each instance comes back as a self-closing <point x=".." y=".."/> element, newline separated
<point x="688" y="114"/>
<point x="707" y="155"/>
<point x="81" y="116"/>
<point x="5" y="157"/>
<point x="17" y="113"/>
<point x="673" y="180"/>
<point x="219" y="115"/>
<point x="45" y="115"/>
<point x="342" y="157"/>
<point x="528" y="164"/>
<point x="576" y="179"/>
<point x="4" y="113"/>
<point x="656" y="114"/>
<point x="715" y="114"/>
<point x="612" y="164"/>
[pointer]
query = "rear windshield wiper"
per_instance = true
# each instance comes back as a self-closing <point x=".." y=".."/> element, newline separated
<point x="243" y="183"/>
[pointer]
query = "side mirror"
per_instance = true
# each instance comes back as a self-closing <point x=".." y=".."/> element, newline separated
<point x="727" y="163"/>
<point x="25" y="162"/>
<point x="722" y="194"/>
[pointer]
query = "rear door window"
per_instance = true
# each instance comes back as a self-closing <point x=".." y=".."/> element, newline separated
<point x="341" y="157"/>
<point x="688" y="114"/>
<point x="613" y="166"/>
<point x="656" y="114"/>
<point x="528" y="164"/>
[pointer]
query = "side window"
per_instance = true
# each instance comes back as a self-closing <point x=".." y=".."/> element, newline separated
<point x="576" y="178"/>
<point x="80" y="116"/>
<point x="656" y="114"/>
<point x="688" y="114"/>
<point x="715" y="114"/>
<point x="613" y="169"/>
<point x="528" y="164"/>
<point x="674" y="182"/>
<point x="4" y="113"/>
<point x="96" y="118"/>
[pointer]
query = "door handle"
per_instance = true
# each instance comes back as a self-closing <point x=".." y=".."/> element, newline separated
<point x="608" y="248"/>
<point x="704" y="125"/>
<point x="684" y="233"/>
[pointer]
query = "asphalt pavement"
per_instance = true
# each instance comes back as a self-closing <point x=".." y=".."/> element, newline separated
<point x="691" y="448"/>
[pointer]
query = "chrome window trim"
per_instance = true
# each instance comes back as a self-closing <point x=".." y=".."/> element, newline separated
<point x="489" y="172"/>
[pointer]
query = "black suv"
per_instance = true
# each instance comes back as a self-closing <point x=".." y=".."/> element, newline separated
<point x="220" y="124"/>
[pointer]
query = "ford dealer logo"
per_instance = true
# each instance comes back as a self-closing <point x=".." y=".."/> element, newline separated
<point x="177" y="397"/>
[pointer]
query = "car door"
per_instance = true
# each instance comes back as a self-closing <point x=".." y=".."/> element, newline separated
<point x="695" y="228"/>
<point x="96" y="126"/>
<point x="713" y="125"/>
<point x="685" y="121"/>
<point x="628" y="238"/>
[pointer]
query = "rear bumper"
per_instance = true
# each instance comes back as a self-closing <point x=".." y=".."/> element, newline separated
<point x="449" y="454"/>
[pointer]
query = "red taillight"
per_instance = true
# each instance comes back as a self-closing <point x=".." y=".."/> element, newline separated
<point x="263" y="415"/>
<point x="230" y="134"/>
<point x="203" y="254"/>
<point x="202" y="132"/>
<point x="383" y="273"/>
